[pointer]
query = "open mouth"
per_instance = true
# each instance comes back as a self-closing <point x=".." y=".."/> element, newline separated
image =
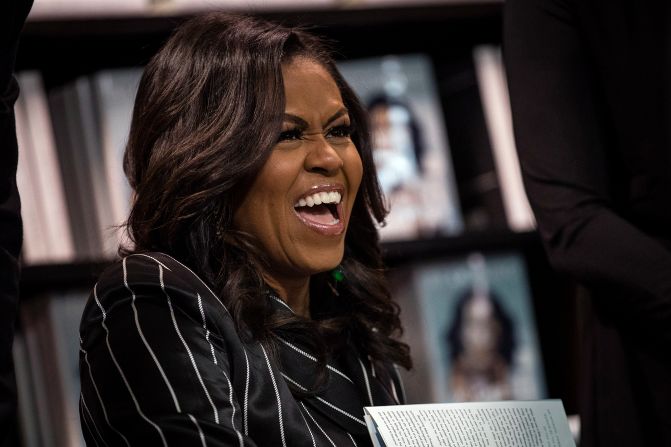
<point x="321" y="211"/>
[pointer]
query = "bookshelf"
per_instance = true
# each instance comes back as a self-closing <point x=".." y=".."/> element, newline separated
<point x="63" y="49"/>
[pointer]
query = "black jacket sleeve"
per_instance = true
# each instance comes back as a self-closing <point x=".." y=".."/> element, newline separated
<point x="153" y="363"/>
<point x="566" y="161"/>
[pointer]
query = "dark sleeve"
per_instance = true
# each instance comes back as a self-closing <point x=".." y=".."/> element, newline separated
<point x="153" y="364"/>
<point x="12" y="16"/>
<point x="564" y="164"/>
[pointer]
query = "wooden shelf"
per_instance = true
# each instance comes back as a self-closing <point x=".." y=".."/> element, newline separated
<point x="78" y="24"/>
<point x="36" y="279"/>
<point x="396" y="253"/>
<point x="43" y="277"/>
<point x="66" y="48"/>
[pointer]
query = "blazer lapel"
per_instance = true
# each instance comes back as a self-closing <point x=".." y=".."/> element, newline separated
<point x="339" y="399"/>
<point x="352" y="382"/>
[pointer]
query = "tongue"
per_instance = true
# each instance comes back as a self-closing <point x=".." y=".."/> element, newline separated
<point x="319" y="214"/>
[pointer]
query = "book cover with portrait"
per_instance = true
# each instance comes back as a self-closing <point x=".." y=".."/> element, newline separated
<point x="410" y="146"/>
<point x="471" y="327"/>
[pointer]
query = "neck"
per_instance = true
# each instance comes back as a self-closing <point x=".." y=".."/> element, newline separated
<point x="293" y="291"/>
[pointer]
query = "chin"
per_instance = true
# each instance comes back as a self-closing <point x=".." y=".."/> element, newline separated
<point x="324" y="263"/>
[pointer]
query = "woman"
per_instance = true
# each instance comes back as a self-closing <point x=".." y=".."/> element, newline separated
<point x="397" y="152"/>
<point x="591" y="106"/>
<point x="482" y="343"/>
<point x="252" y="309"/>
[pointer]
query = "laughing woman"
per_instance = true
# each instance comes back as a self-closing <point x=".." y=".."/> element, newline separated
<point x="251" y="308"/>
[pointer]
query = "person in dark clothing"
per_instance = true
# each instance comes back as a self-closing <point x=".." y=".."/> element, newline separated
<point x="251" y="307"/>
<point x="591" y="99"/>
<point x="12" y="17"/>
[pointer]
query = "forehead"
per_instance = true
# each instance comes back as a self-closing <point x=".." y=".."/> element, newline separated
<point x="307" y="82"/>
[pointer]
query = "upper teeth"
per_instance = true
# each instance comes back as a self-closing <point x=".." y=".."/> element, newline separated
<point x="318" y="198"/>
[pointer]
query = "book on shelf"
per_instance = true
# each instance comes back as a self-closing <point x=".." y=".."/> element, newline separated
<point x="200" y="6"/>
<point x="498" y="116"/>
<point x="471" y="327"/>
<point x="35" y="246"/>
<point x="60" y="9"/>
<point x="73" y="190"/>
<point x="74" y="162"/>
<point x="410" y="147"/>
<point x="114" y="93"/>
<point x="477" y="181"/>
<point x="92" y="161"/>
<point x="50" y="328"/>
<point x="27" y="400"/>
<point x="482" y="424"/>
<point x="44" y="206"/>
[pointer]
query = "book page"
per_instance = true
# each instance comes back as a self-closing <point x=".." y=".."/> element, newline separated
<point x="488" y="424"/>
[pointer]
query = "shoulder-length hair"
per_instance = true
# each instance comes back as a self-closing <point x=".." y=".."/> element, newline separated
<point x="208" y="112"/>
<point x="506" y="343"/>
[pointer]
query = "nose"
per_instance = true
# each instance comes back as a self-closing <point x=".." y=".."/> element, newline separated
<point x="322" y="158"/>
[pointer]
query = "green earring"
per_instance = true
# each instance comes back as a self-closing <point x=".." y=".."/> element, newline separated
<point x="338" y="274"/>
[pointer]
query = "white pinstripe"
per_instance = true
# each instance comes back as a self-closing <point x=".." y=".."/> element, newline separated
<point x="314" y="359"/>
<point x="400" y="382"/>
<point x="214" y="359"/>
<point x="86" y="425"/>
<point x="293" y="381"/>
<point x="200" y="432"/>
<point x="207" y="332"/>
<point x="314" y="444"/>
<point x="201" y="281"/>
<point x="277" y="395"/>
<point x="372" y="367"/>
<point x="282" y="302"/>
<point x="230" y="399"/>
<point x="188" y="350"/>
<point x="123" y="376"/>
<point x="246" y="398"/>
<point x="353" y="441"/>
<point x="318" y="426"/>
<point x="150" y="257"/>
<point x="144" y="340"/>
<point x="394" y="392"/>
<point x="95" y="387"/>
<point x="365" y="378"/>
<point x="341" y="411"/>
<point x="82" y="407"/>
<point x="324" y="401"/>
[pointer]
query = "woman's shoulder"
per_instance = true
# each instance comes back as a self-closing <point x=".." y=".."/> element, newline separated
<point x="152" y="273"/>
<point x="147" y="267"/>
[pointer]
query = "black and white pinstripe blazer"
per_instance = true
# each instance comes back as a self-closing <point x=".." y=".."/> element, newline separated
<point x="162" y="364"/>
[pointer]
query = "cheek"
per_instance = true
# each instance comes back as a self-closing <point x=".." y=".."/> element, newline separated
<point x="354" y="169"/>
<point x="263" y="210"/>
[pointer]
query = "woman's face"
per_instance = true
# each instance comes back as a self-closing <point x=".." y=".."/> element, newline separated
<point x="299" y="204"/>
<point x="480" y="331"/>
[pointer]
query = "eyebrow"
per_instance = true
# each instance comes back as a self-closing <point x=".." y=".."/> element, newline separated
<point x="302" y="123"/>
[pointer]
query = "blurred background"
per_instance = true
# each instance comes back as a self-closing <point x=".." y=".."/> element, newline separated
<point x="485" y="315"/>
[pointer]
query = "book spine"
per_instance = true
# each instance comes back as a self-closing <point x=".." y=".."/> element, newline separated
<point x="35" y="246"/>
<point x="48" y="179"/>
<point x="496" y="104"/>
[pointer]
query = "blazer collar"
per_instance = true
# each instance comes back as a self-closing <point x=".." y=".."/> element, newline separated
<point x="352" y="383"/>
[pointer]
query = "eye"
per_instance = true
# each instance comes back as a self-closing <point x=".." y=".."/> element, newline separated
<point x="291" y="134"/>
<point x="343" y="131"/>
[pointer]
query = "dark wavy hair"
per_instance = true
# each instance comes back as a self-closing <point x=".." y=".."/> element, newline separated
<point x="208" y="111"/>
<point x="506" y="343"/>
<point x="386" y="101"/>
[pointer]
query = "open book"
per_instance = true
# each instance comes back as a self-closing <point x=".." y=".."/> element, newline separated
<point x="474" y="424"/>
